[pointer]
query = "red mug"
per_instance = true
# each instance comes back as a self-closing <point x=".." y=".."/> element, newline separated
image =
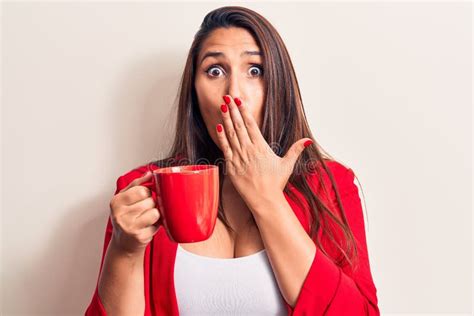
<point x="187" y="198"/>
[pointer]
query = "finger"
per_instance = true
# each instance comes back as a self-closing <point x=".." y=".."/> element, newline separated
<point x="223" y="141"/>
<point x="147" y="233"/>
<point x="141" y="206"/>
<point x="253" y="130"/>
<point x="229" y="128"/>
<point x="238" y="122"/>
<point x="294" y="152"/>
<point x="134" y="195"/>
<point x="150" y="231"/>
<point x="147" y="218"/>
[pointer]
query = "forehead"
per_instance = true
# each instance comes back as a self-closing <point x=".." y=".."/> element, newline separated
<point x="229" y="39"/>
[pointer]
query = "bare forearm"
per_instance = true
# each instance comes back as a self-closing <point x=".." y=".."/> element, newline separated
<point x="121" y="283"/>
<point x="289" y="248"/>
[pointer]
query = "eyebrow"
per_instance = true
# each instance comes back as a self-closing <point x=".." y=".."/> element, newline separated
<point x="218" y="54"/>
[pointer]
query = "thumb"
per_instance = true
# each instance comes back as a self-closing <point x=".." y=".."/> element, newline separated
<point x="144" y="178"/>
<point x="296" y="149"/>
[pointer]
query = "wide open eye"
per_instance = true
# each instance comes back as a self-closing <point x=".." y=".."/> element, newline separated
<point x="214" y="71"/>
<point x="256" y="70"/>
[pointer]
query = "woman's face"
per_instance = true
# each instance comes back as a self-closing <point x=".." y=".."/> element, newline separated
<point x="233" y="68"/>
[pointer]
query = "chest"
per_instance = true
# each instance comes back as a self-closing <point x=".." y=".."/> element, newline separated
<point x="211" y="286"/>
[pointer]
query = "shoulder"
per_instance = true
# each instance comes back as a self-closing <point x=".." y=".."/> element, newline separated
<point x="342" y="175"/>
<point x="337" y="168"/>
<point x="129" y="175"/>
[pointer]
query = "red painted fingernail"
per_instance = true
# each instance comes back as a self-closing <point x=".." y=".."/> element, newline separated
<point x="237" y="101"/>
<point x="219" y="128"/>
<point x="307" y="143"/>
<point x="224" y="108"/>
<point x="226" y="99"/>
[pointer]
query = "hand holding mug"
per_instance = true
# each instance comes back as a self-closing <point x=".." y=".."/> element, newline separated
<point x="133" y="215"/>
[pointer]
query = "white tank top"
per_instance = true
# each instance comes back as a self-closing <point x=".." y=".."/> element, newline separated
<point x="217" y="286"/>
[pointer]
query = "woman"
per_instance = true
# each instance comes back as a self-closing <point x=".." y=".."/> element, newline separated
<point x="290" y="236"/>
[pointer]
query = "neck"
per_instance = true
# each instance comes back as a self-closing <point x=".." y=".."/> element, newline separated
<point x="228" y="186"/>
<point x="237" y="212"/>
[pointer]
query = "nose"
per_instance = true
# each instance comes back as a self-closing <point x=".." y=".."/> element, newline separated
<point x="234" y="86"/>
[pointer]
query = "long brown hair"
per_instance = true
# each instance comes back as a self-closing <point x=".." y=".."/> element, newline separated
<point x="282" y="125"/>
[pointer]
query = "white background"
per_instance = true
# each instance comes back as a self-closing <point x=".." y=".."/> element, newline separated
<point x="88" y="93"/>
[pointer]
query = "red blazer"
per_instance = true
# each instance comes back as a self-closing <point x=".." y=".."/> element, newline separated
<point x="327" y="290"/>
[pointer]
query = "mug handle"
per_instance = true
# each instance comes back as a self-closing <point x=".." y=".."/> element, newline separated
<point x="155" y="192"/>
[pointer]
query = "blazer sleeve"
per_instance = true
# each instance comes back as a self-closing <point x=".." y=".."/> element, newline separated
<point x="96" y="308"/>
<point x="331" y="290"/>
